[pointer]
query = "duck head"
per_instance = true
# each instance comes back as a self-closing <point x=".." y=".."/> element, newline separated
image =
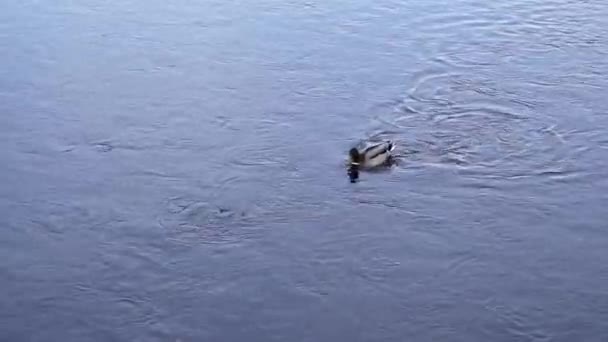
<point x="353" y="169"/>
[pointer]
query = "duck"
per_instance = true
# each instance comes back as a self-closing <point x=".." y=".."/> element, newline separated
<point x="372" y="156"/>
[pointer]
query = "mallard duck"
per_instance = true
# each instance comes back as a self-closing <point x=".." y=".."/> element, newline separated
<point x="371" y="156"/>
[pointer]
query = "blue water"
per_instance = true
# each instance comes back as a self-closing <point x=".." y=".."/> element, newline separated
<point x="174" y="171"/>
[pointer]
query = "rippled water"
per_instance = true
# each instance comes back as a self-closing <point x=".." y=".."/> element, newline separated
<point x="173" y="171"/>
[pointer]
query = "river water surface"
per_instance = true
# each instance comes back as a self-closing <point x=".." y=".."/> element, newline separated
<point x="173" y="170"/>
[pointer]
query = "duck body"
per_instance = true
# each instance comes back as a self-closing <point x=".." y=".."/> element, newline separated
<point x="371" y="156"/>
<point x="376" y="154"/>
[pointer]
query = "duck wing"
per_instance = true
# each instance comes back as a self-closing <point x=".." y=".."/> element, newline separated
<point x="376" y="150"/>
<point x="377" y="154"/>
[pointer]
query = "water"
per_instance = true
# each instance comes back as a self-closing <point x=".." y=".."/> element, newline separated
<point x="173" y="171"/>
